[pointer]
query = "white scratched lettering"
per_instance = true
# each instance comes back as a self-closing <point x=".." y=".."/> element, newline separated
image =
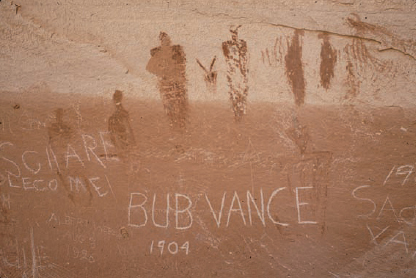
<point x="173" y="250"/>
<point x="81" y="254"/>
<point x="49" y="159"/>
<point x="23" y="263"/>
<point x="239" y="209"/>
<point x="185" y="247"/>
<point x="106" y="144"/>
<point x="151" y="247"/>
<point x="161" y="245"/>
<point x="35" y="185"/>
<point x="403" y="242"/>
<point x="76" y="183"/>
<point x="402" y="217"/>
<point x="53" y="185"/>
<point x="185" y="210"/>
<point x="90" y="148"/>
<point x="166" y="211"/>
<point x="274" y="193"/>
<point x="140" y="209"/>
<point x="217" y="219"/>
<point x="34" y="171"/>
<point x="299" y="204"/>
<point x="364" y="199"/>
<point x="5" y="200"/>
<point x="391" y="209"/>
<point x="10" y="180"/>
<point x="134" y="206"/>
<point x="172" y="247"/>
<point x="34" y="262"/>
<point x="250" y="199"/>
<point x="405" y="170"/>
<point x="53" y="217"/>
<point x="14" y="164"/>
<point x="74" y="155"/>
<point x="388" y="176"/>
<point x="111" y="188"/>
<point x="3" y="124"/>
<point x="54" y="159"/>
<point x="25" y="182"/>
<point x="183" y="214"/>
<point x="92" y="182"/>
<point x="374" y="238"/>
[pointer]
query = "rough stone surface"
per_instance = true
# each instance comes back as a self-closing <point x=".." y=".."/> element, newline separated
<point x="219" y="139"/>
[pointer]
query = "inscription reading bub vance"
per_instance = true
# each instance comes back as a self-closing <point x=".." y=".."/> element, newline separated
<point x="139" y="209"/>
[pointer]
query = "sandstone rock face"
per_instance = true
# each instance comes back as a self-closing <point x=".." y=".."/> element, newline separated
<point x="221" y="139"/>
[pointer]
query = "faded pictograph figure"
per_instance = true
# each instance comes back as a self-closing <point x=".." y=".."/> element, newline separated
<point x="236" y="56"/>
<point x="168" y="63"/>
<point x="362" y="65"/>
<point x="309" y="177"/>
<point x="59" y="132"/>
<point x="328" y="61"/>
<point x="65" y="162"/>
<point x="300" y="136"/>
<point x="121" y="133"/>
<point x="210" y="76"/>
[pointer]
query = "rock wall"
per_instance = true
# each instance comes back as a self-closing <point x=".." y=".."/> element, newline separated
<point x="192" y="139"/>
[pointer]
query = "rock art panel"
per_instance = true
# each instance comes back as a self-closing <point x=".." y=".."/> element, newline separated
<point x="106" y="171"/>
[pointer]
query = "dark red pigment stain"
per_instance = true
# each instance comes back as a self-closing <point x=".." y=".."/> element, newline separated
<point x="328" y="61"/>
<point x="294" y="68"/>
<point x="235" y="53"/>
